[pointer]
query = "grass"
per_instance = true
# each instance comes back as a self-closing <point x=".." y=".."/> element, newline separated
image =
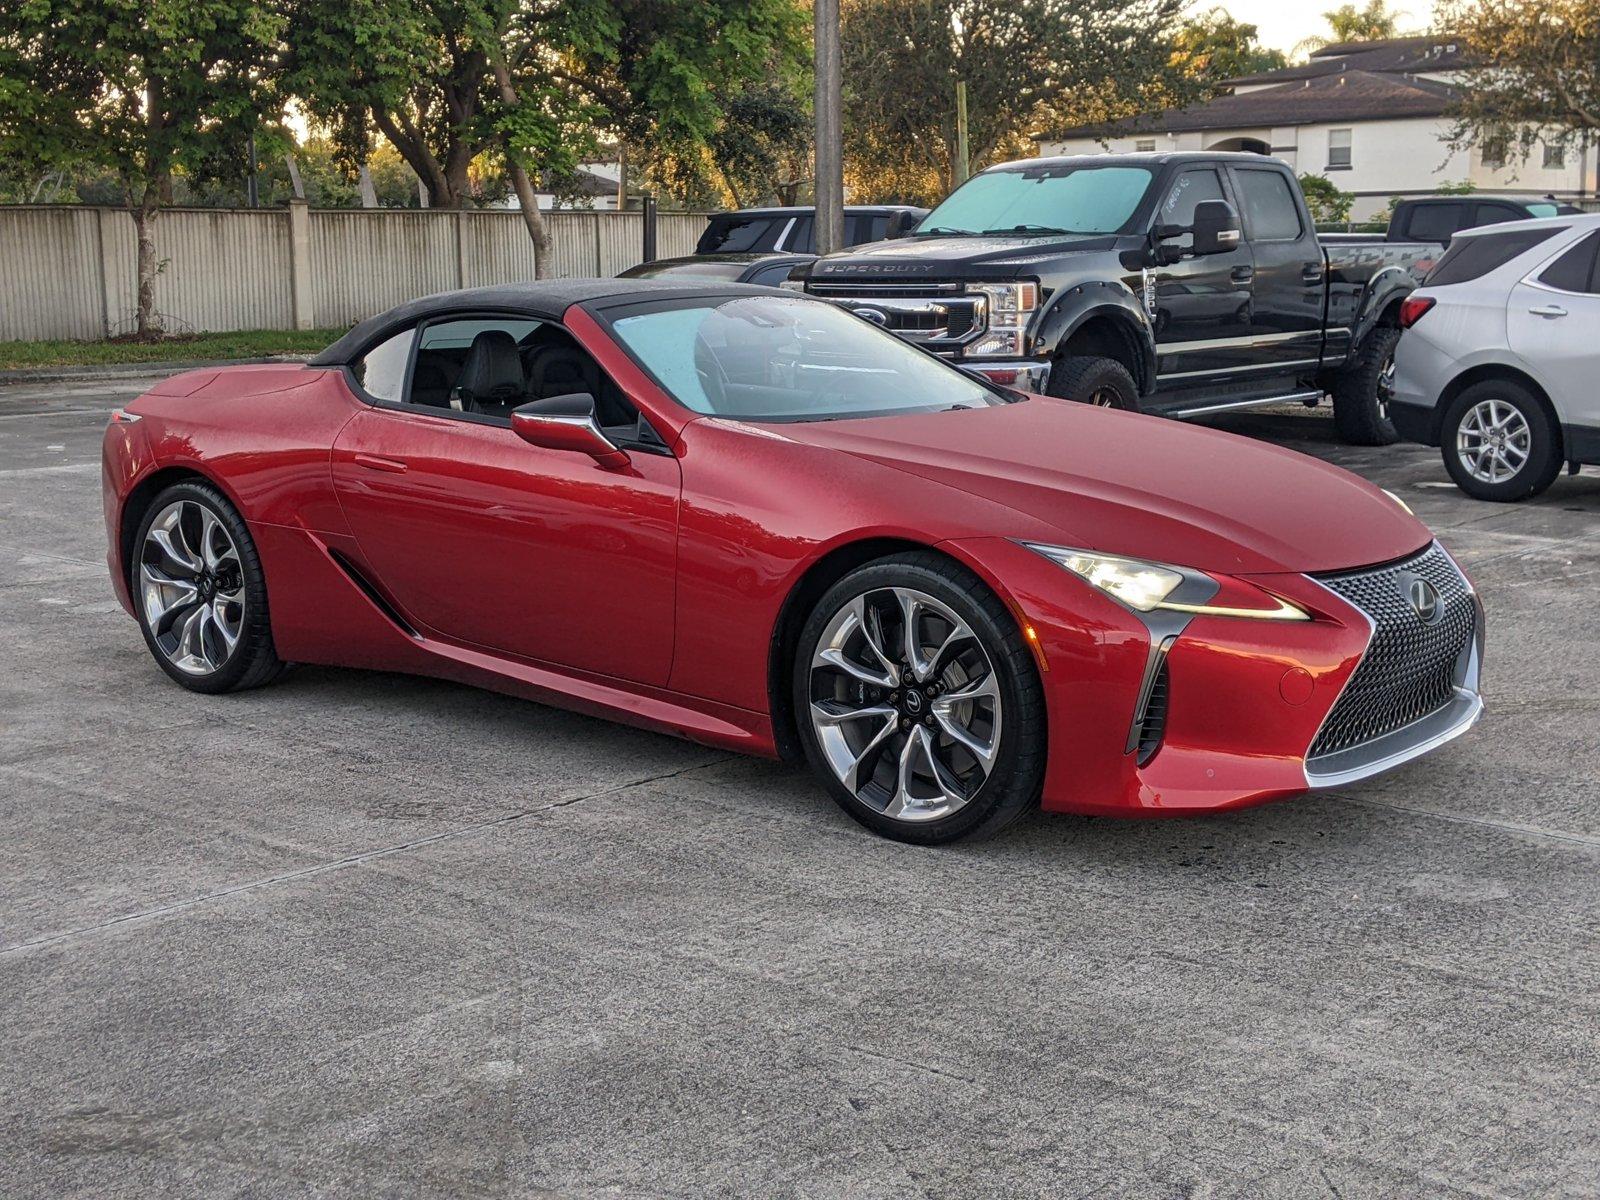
<point x="250" y="343"/>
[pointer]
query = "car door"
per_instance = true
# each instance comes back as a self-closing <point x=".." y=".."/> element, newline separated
<point x="1551" y="321"/>
<point x="484" y="540"/>
<point x="1287" y="309"/>
<point x="1202" y="303"/>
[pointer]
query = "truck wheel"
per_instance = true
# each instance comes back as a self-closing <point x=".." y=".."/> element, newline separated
<point x="1361" y="392"/>
<point x="1499" y="443"/>
<point x="1103" y="382"/>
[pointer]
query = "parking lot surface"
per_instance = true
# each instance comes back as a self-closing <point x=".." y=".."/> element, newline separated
<point x="360" y="934"/>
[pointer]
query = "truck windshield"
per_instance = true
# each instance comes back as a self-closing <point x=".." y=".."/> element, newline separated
<point x="1041" y="201"/>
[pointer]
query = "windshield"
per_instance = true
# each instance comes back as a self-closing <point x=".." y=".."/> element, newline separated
<point x="1041" y="201"/>
<point x="782" y="358"/>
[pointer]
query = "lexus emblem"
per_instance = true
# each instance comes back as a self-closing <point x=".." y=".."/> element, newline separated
<point x="1424" y="599"/>
<point x="876" y="315"/>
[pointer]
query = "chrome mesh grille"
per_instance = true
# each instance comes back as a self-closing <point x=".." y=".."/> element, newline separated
<point x="1410" y="668"/>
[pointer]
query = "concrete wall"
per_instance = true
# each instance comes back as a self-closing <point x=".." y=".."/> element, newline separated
<point x="69" y="271"/>
<point x="1387" y="158"/>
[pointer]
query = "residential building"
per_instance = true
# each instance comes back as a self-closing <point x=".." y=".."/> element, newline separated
<point x="1371" y="116"/>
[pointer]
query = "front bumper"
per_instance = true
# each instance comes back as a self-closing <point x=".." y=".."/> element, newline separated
<point x="1244" y="699"/>
<point x="1024" y="375"/>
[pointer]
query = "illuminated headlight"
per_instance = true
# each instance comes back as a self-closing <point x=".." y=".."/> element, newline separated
<point x="1147" y="586"/>
<point x="1010" y="307"/>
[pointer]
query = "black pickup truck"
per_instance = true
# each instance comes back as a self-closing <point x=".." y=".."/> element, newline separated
<point x="1178" y="284"/>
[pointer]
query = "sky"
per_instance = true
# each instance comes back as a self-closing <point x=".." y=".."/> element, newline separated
<point x="1282" y="23"/>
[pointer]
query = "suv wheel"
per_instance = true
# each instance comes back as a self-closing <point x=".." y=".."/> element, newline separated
<point x="1362" y="391"/>
<point x="1499" y="443"/>
<point x="1102" y="382"/>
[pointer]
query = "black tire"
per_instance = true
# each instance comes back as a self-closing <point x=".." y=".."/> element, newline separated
<point x="1360" y="405"/>
<point x="1012" y="785"/>
<point x="1103" y="382"/>
<point x="1543" y="462"/>
<point x="253" y="660"/>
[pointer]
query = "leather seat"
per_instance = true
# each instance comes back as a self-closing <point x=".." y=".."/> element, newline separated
<point x="558" y="366"/>
<point x="491" y="379"/>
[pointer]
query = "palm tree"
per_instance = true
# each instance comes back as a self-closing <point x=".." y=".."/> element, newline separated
<point x="1347" y="23"/>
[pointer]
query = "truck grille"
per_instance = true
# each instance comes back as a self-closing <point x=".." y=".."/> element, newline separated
<point x="1410" y="668"/>
<point x="929" y="313"/>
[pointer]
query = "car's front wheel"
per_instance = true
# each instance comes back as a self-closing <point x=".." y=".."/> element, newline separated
<point x="200" y="594"/>
<point x="918" y="701"/>
<point x="1499" y="442"/>
<point x="1102" y="382"/>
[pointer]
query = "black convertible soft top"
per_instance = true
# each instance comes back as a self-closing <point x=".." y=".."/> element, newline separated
<point x="547" y="299"/>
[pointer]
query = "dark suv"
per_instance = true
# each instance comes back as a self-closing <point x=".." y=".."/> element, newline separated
<point x="793" y="229"/>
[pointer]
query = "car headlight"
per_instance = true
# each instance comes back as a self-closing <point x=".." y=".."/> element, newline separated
<point x="1010" y="307"/>
<point x="1146" y="586"/>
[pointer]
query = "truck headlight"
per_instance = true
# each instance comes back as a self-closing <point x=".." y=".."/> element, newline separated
<point x="1010" y="307"/>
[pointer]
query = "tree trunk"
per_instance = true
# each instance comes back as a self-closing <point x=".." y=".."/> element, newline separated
<point x="144" y="218"/>
<point x="519" y="177"/>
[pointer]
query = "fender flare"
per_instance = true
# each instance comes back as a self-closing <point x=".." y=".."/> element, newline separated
<point x="1386" y="286"/>
<point x="1073" y="307"/>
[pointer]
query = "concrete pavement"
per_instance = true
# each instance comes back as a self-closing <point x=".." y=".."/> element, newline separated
<point x="367" y="935"/>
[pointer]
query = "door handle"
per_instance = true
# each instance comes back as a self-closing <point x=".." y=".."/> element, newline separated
<point x="373" y="463"/>
<point x="1549" y="311"/>
<point x="1312" y="274"/>
<point x="1242" y="274"/>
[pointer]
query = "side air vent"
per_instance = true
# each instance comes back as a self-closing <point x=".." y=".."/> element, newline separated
<point x="1154" y="725"/>
<point x="372" y="593"/>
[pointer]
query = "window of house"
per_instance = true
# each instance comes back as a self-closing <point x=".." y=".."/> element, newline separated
<point x="1269" y="208"/>
<point x="1555" y="157"/>
<point x="1144" y="145"/>
<point x="1493" y="153"/>
<point x="1339" y="149"/>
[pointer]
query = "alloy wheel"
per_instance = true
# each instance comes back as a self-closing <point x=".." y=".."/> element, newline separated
<point x="1493" y="441"/>
<point x="191" y="587"/>
<point x="905" y="704"/>
<point x="1385" y="390"/>
<point x="1105" y="397"/>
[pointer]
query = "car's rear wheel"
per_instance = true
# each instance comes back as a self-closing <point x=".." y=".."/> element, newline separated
<point x="200" y="594"/>
<point x="1499" y="443"/>
<point x="918" y="701"/>
<point x="1363" y="390"/>
<point x="1102" y="382"/>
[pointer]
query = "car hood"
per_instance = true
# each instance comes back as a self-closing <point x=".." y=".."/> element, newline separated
<point x="1142" y="486"/>
<point x="914" y="257"/>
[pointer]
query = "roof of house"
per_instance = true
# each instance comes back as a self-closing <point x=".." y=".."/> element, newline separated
<point x="1345" y="96"/>
<point x="1348" y="81"/>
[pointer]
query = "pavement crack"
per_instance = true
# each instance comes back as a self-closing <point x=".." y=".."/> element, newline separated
<point x="1535" y="831"/>
<point x="356" y="860"/>
<point x="917" y="1066"/>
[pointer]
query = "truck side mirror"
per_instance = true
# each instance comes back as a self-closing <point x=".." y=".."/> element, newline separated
<point x="1216" y="227"/>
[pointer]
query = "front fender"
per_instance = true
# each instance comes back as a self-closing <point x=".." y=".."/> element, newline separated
<point x="1072" y="308"/>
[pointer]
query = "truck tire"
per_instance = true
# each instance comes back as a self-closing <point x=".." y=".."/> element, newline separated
<point x="1103" y="382"/>
<point x="1361" y="392"/>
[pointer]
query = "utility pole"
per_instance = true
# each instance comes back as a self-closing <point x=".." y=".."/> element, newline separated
<point x="963" y="163"/>
<point x="830" y="130"/>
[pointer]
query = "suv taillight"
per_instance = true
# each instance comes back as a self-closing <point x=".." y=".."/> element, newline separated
<point x="1413" y="308"/>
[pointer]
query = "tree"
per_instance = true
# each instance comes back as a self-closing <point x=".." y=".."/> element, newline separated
<point x="138" y="90"/>
<point x="761" y="147"/>
<point x="1328" y="205"/>
<point x="1347" y="23"/>
<point x="1025" y="64"/>
<point x="1213" y="48"/>
<point x="1533" y="73"/>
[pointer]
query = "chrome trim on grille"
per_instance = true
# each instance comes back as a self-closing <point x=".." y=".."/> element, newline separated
<point x="1459" y="708"/>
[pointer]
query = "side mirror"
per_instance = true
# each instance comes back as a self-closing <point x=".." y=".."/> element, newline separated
<point x="899" y="224"/>
<point x="1216" y="227"/>
<point x="566" y="423"/>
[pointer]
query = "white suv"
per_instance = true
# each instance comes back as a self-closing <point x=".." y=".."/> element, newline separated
<point x="1499" y="364"/>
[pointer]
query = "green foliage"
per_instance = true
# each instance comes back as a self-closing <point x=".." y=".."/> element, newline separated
<point x="1026" y="66"/>
<point x="1347" y="23"/>
<point x="1212" y="47"/>
<point x="760" y="147"/>
<point x="247" y="343"/>
<point x="1533" y="75"/>
<point x="1328" y="205"/>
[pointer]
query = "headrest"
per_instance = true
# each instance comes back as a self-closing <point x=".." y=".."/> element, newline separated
<point x="493" y="365"/>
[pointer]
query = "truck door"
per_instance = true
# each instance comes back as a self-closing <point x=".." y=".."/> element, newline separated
<point x="1286" y="313"/>
<point x="1201" y="304"/>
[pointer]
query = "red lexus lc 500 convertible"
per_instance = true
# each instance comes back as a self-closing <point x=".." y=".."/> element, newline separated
<point x="752" y="519"/>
